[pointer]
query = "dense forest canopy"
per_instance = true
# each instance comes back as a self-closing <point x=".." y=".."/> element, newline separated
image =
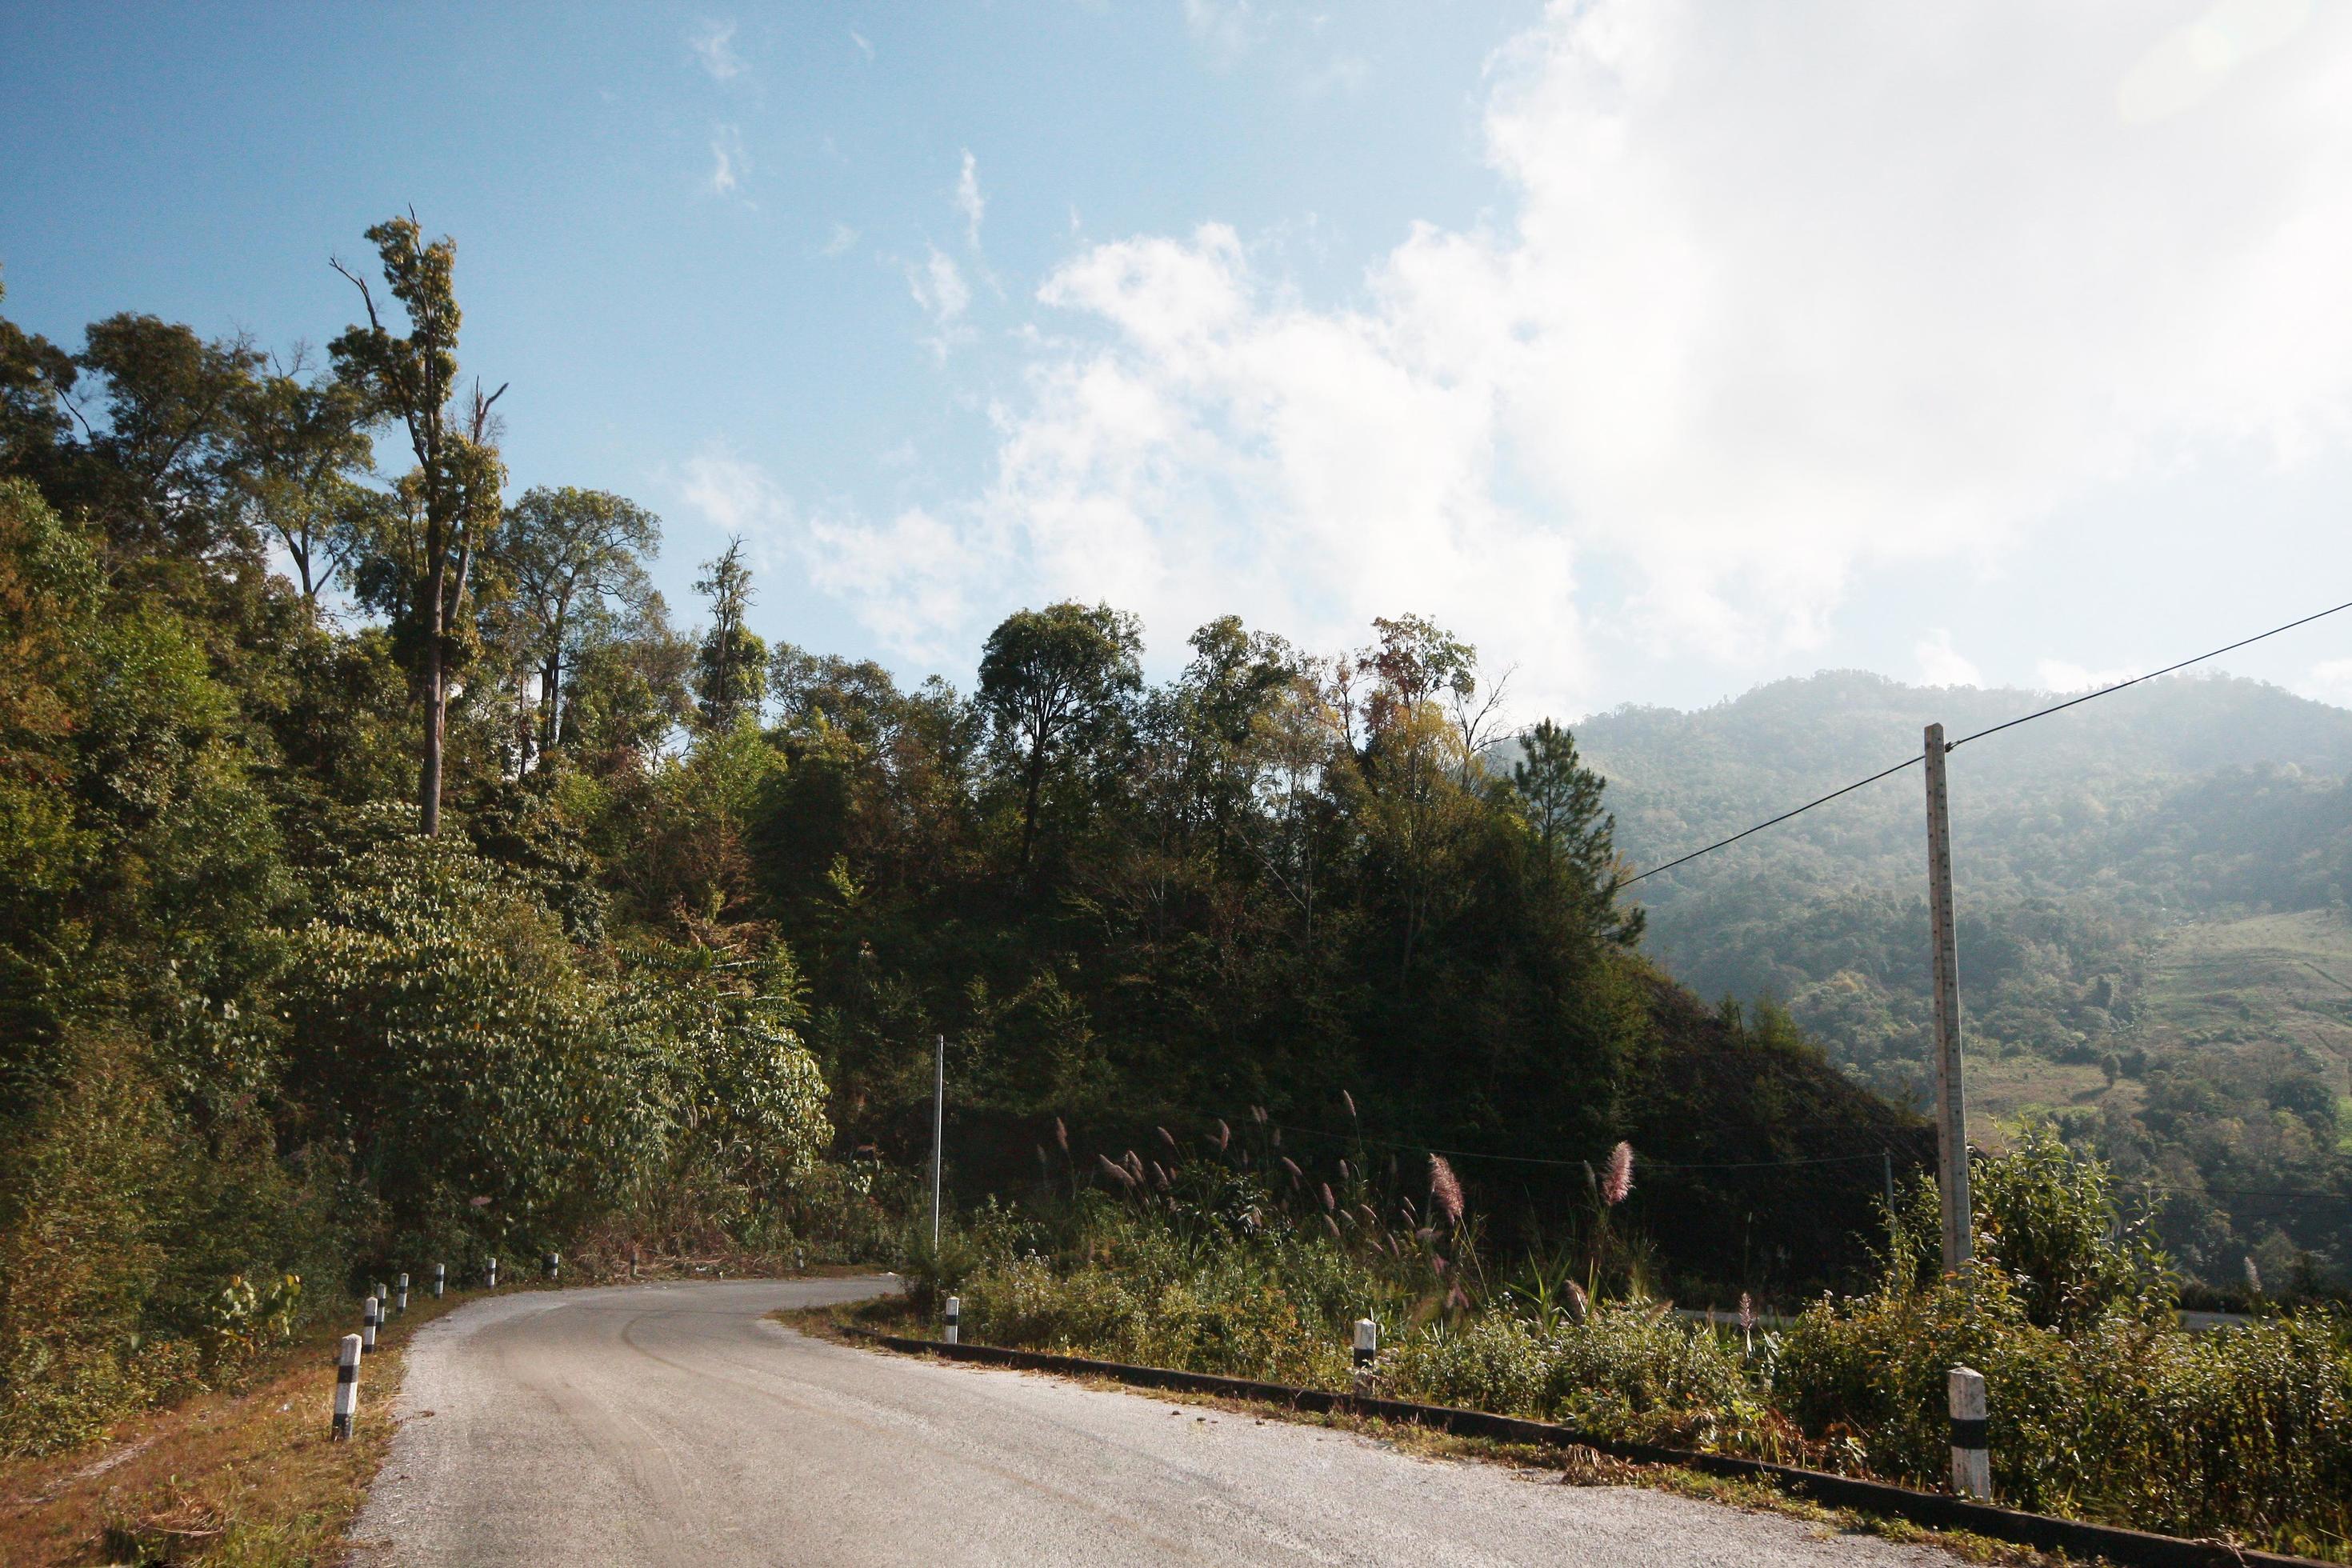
<point x="384" y="874"/>
<point x="2151" y="893"/>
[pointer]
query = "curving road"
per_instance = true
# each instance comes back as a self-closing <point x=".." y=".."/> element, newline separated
<point x="674" y="1424"/>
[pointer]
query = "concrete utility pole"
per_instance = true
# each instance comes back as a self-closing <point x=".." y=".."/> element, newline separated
<point x="939" y="1133"/>
<point x="1951" y="1108"/>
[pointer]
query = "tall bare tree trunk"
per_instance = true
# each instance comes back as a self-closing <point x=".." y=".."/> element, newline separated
<point x="437" y="693"/>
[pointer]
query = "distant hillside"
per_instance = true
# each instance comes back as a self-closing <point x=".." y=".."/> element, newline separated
<point x="2124" y="872"/>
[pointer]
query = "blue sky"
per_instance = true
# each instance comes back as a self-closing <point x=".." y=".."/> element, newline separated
<point x="1660" y="348"/>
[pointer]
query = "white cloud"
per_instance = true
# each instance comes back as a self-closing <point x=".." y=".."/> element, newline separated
<point x="2329" y="681"/>
<point x="839" y="241"/>
<point x="2193" y="62"/>
<point x="727" y="162"/>
<point x="2061" y="677"/>
<point x="736" y="496"/>
<point x="740" y="500"/>
<point x="1774" y="296"/>
<point x="1225" y="28"/>
<point x="910" y="578"/>
<point x="1940" y="664"/>
<point x="968" y="199"/>
<point x="865" y="45"/>
<point x="938" y="287"/>
<point x="713" y="44"/>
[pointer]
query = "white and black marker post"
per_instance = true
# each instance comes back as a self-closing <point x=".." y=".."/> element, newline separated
<point x="1971" y="1461"/>
<point x="490" y="1275"/>
<point x="367" y="1325"/>
<point x="440" y="1276"/>
<point x="400" y="1302"/>
<point x="347" y="1387"/>
<point x="1368" y="1350"/>
<point x="955" y="1320"/>
<point x="554" y="1261"/>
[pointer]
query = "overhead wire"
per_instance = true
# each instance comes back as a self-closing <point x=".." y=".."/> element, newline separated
<point x="1641" y="1160"/>
<point x="1877" y="1154"/>
<point x="1981" y="735"/>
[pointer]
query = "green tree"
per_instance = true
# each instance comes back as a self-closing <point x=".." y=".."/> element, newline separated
<point x="1575" y="838"/>
<point x="731" y="667"/>
<point x="570" y="555"/>
<point x="454" y="488"/>
<point x="37" y="380"/>
<point x="1052" y="681"/>
<point x="302" y="454"/>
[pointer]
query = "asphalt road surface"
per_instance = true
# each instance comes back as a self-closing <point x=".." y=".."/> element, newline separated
<point x="674" y="1424"/>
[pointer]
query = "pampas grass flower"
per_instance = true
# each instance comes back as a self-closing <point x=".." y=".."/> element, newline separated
<point x="1619" y="1179"/>
<point x="1445" y="1189"/>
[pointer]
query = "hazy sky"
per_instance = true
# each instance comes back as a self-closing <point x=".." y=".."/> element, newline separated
<point x="1660" y="349"/>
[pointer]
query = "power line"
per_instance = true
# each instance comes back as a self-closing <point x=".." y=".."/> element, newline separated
<point x="1640" y="1159"/>
<point x="2152" y="675"/>
<point x="1760" y="826"/>
<point x="1981" y="735"/>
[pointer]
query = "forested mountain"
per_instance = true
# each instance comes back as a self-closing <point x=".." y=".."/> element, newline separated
<point x="2151" y="893"/>
<point x="384" y="877"/>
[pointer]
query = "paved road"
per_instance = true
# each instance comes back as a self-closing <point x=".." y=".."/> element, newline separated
<point x="673" y="1423"/>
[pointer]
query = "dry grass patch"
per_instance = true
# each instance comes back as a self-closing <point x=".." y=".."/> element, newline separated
<point x="242" y="1477"/>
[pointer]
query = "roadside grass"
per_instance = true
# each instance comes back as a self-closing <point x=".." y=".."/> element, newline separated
<point x="1574" y="1465"/>
<point x="242" y="1477"/>
<point x="2104" y="1410"/>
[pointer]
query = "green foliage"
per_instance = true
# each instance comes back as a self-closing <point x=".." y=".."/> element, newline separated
<point x="2107" y="1410"/>
<point x="258" y="1034"/>
<point x="2124" y="1418"/>
<point x="731" y="667"/>
<point x="2047" y="1219"/>
<point x="77" y="1257"/>
<point x="2115" y="868"/>
<point x="1054" y="682"/>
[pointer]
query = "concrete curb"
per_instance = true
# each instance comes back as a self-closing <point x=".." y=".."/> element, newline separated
<point x="2127" y="1548"/>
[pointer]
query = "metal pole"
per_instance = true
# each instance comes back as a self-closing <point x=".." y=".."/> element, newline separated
<point x="1951" y="1108"/>
<point x="939" y="1130"/>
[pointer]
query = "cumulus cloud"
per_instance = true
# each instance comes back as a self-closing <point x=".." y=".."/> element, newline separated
<point x="839" y="241"/>
<point x="968" y="199"/>
<point x="1774" y="298"/>
<point x="2329" y="681"/>
<point x="1940" y="664"/>
<point x="911" y="577"/>
<point x="713" y="44"/>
